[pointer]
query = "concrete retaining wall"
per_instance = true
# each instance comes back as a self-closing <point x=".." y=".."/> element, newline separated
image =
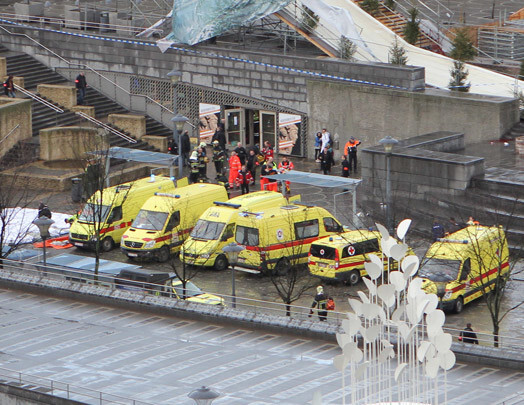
<point x="10" y="394"/>
<point x="69" y="143"/>
<point x="13" y="112"/>
<point x="60" y="94"/>
<point x="422" y="164"/>
<point x="370" y="113"/>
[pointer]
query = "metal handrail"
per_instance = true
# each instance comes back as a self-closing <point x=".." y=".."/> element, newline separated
<point x="84" y="66"/>
<point x="49" y="272"/>
<point x="10" y="132"/>
<point x="39" y="99"/>
<point x="105" y="126"/>
<point x="65" y="390"/>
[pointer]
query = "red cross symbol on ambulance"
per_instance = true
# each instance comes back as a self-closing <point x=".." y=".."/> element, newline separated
<point x="351" y="250"/>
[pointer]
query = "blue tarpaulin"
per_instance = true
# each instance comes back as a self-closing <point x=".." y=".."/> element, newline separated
<point x="196" y="21"/>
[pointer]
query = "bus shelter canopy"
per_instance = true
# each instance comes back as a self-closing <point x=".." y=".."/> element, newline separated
<point x="137" y="155"/>
<point x="315" y="179"/>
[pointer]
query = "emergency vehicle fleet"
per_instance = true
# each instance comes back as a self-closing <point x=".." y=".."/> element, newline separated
<point x="110" y="212"/>
<point x="465" y="265"/>
<point x="216" y="227"/>
<point x="165" y="220"/>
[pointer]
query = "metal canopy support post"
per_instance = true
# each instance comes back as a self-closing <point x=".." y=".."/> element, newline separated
<point x="108" y="165"/>
<point x="354" y="204"/>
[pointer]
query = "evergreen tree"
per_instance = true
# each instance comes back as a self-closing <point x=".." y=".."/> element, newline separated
<point x="412" y="29"/>
<point x="347" y="48"/>
<point x="397" y="54"/>
<point x="463" y="49"/>
<point x="459" y="74"/>
<point x="390" y="4"/>
<point x="370" y="6"/>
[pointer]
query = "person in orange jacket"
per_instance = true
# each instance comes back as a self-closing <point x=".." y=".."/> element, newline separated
<point x="234" y="168"/>
<point x="350" y="151"/>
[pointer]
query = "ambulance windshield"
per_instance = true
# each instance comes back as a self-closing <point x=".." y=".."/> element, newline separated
<point x="439" y="270"/>
<point x="150" y="220"/>
<point x="207" y="230"/>
<point x="94" y="213"/>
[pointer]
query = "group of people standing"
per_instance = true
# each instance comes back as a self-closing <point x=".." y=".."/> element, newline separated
<point x="325" y="156"/>
<point x="236" y="168"/>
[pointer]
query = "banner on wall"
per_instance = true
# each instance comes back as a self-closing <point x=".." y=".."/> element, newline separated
<point x="289" y="142"/>
<point x="209" y="119"/>
<point x="195" y="21"/>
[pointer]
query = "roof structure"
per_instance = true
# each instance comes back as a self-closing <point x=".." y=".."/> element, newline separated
<point x="315" y="179"/>
<point x="137" y="155"/>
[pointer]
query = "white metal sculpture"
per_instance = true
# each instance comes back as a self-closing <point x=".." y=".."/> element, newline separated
<point x="393" y="342"/>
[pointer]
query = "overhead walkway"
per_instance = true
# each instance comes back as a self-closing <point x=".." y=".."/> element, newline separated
<point x="374" y="41"/>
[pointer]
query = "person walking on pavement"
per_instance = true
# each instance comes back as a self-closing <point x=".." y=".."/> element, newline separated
<point x="220" y="136"/>
<point x="44" y="211"/>
<point x="320" y="302"/>
<point x="345" y="167"/>
<point x="318" y="144"/>
<point x="350" y="151"/>
<point x="81" y="85"/>
<point x="244" y="178"/>
<point x="185" y="147"/>
<point x="437" y="231"/>
<point x="234" y="168"/>
<point x="326" y="139"/>
<point x="468" y="335"/>
<point x="252" y="163"/>
<point x="9" y="87"/>
<point x="241" y="153"/>
<point x="219" y="157"/>
<point x="326" y="160"/>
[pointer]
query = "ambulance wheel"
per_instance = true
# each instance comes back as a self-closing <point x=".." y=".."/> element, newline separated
<point x="459" y="305"/>
<point x="221" y="263"/>
<point x="107" y="244"/>
<point x="353" y="277"/>
<point x="163" y="254"/>
<point x="281" y="267"/>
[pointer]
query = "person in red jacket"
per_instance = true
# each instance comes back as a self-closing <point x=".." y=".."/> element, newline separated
<point x="244" y="178"/>
<point x="234" y="168"/>
<point x="267" y="151"/>
<point x="285" y="165"/>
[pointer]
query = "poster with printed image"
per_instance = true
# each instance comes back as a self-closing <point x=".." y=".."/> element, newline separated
<point x="289" y="142"/>
<point x="209" y="119"/>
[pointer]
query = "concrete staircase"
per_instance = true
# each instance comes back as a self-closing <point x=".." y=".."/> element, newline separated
<point x="516" y="131"/>
<point x="396" y="22"/>
<point x="34" y="73"/>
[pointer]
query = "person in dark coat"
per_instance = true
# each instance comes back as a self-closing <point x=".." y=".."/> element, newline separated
<point x="172" y="147"/>
<point x="44" y="211"/>
<point x="9" y="87"/>
<point x="437" y="230"/>
<point x="468" y="336"/>
<point x="220" y="136"/>
<point x="252" y="163"/>
<point x="81" y="85"/>
<point x="326" y="160"/>
<point x="185" y="147"/>
<point x="320" y="302"/>
<point x="345" y="167"/>
<point x="241" y="153"/>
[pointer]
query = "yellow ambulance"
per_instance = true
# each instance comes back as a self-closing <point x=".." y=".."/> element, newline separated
<point x="342" y="257"/>
<point x="111" y="212"/>
<point x="216" y="227"/>
<point x="165" y="220"/>
<point x="279" y="237"/>
<point x="465" y="265"/>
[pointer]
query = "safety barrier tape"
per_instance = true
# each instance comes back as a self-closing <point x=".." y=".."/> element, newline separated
<point x="209" y="54"/>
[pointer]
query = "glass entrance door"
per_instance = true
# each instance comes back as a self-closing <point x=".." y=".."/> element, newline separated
<point x="235" y="126"/>
<point x="268" y="128"/>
